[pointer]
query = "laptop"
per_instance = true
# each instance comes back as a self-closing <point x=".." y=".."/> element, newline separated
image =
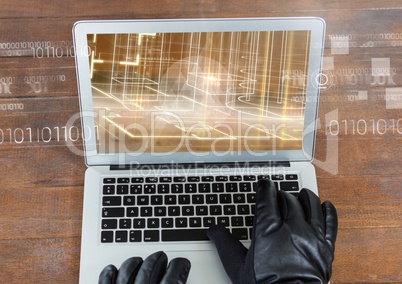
<point x="180" y="119"/>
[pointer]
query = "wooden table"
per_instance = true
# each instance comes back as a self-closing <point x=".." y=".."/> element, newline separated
<point x="358" y="153"/>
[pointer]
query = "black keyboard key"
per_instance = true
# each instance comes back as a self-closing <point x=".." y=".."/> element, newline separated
<point x="224" y="221"/>
<point x="156" y="200"/>
<point x="255" y="186"/>
<point x="231" y="187"/>
<point x="208" y="221"/>
<point x="137" y="180"/>
<point x="163" y="188"/>
<point x="108" y="224"/>
<point x="251" y="198"/>
<point x="177" y="235"/>
<point x="151" y="236"/>
<point x="240" y="233"/>
<point x="132" y="212"/>
<point x="291" y="177"/>
<point x="151" y="180"/>
<point x="198" y="199"/>
<point x="181" y="222"/>
<point x="215" y="210"/>
<point x="139" y="223"/>
<point x="109" y="180"/>
<point x="237" y="221"/>
<point x="136" y="189"/>
<point x="123" y="180"/>
<point x="225" y="198"/>
<point x="135" y="236"/>
<point x="108" y="189"/>
<point x="107" y="236"/>
<point x="243" y="209"/>
<point x="204" y="187"/>
<point x="221" y="178"/>
<point x="111" y="200"/>
<point x="125" y="224"/>
<point x="165" y="179"/>
<point x="289" y="186"/>
<point x="193" y="179"/>
<point x="170" y="199"/>
<point x="122" y="189"/>
<point x="121" y="236"/>
<point x="177" y="188"/>
<point x="149" y="188"/>
<point x="249" y="178"/>
<point x="229" y="210"/>
<point x="153" y="223"/>
<point x="278" y="177"/>
<point x="201" y="210"/>
<point x="218" y="187"/>
<point x="239" y="198"/>
<point x="187" y="210"/>
<point x="179" y="179"/>
<point x="128" y="200"/>
<point x="249" y="221"/>
<point x="245" y="187"/>
<point x="263" y="177"/>
<point x="143" y="200"/>
<point x="112" y="212"/>
<point x="160" y="211"/>
<point x="184" y="199"/>
<point x="207" y="178"/>
<point x="173" y="211"/>
<point x="211" y="198"/>
<point x="146" y="211"/>
<point x="167" y="222"/>
<point x="195" y="222"/>
<point x="190" y="188"/>
<point x="235" y="178"/>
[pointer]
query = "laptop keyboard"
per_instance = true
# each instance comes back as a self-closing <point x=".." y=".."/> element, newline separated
<point x="180" y="208"/>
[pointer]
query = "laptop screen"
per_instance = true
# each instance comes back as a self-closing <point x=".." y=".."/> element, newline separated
<point x="204" y="92"/>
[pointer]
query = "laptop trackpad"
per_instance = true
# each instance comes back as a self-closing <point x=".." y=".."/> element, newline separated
<point x="206" y="266"/>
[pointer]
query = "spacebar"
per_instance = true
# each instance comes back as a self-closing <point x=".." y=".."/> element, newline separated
<point x="184" y="235"/>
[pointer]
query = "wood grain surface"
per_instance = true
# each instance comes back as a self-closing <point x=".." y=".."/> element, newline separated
<point x="359" y="140"/>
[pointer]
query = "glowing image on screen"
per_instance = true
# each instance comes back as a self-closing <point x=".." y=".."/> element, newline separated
<point x="199" y="92"/>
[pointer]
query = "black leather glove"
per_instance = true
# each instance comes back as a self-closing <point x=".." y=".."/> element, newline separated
<point x="150" y="271"/>
<point x="293" y="240"/>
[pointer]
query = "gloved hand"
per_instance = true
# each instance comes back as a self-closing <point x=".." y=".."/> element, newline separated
<point x="293" y="240"/>
<point x="150" y="271"/>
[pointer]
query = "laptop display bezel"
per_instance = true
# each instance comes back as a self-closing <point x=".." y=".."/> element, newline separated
<point x="92" y="157"/>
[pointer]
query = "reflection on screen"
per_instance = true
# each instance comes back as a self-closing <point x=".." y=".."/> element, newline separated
<point x="199" y="92"/>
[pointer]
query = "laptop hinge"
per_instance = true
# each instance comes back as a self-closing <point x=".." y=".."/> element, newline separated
<point x="199" y="165"/>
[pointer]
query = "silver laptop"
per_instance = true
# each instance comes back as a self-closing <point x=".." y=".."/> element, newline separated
<point x="180" y="120"/>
